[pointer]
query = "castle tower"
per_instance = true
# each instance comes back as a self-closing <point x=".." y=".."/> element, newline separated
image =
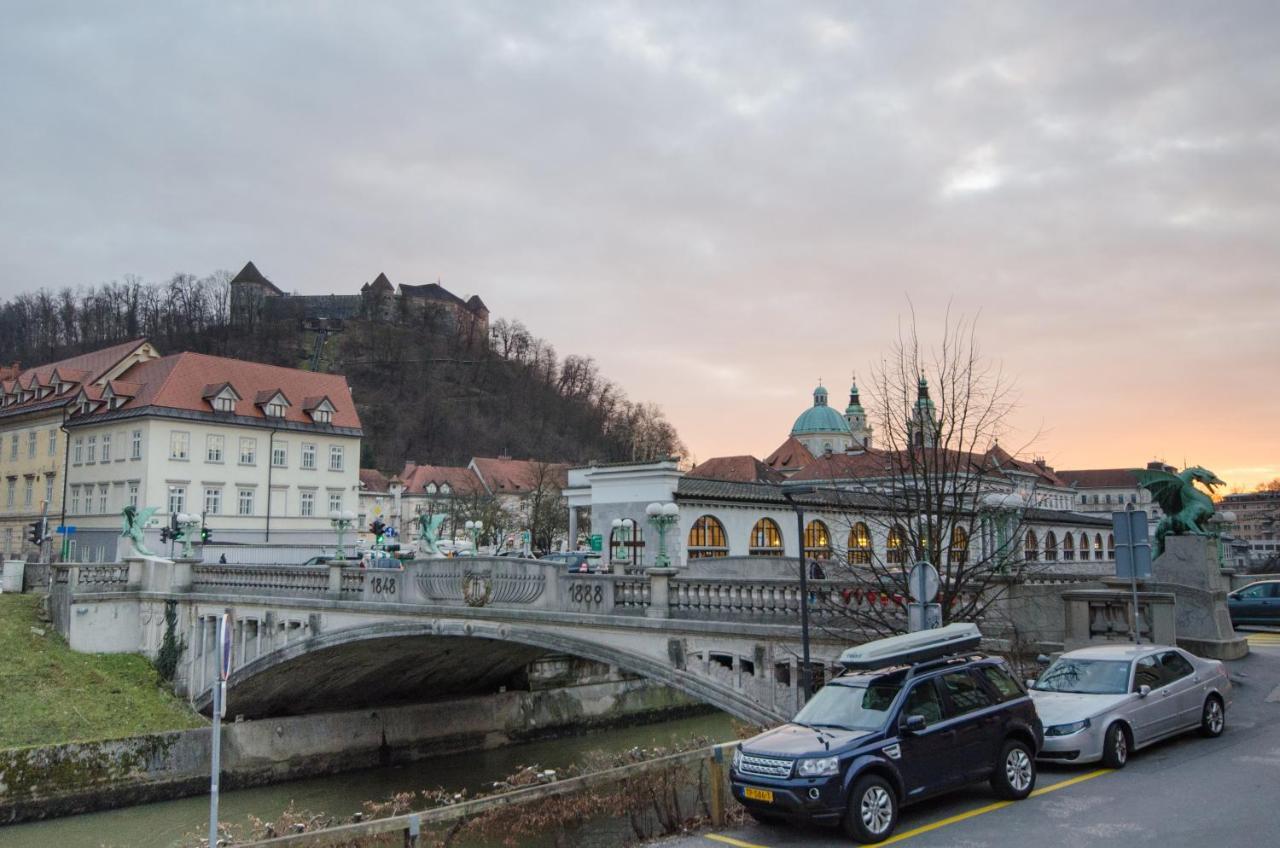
<point x="857" y="418"/>
<point x="922" y="425"/>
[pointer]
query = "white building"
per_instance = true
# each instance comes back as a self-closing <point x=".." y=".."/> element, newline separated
<point x="263" y="453"/>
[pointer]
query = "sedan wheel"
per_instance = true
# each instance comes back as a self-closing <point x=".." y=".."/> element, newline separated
<point x="1213" y="720"/>
<point x="1115" y="747"/>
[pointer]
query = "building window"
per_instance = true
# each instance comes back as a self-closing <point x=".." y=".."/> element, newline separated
<point x="136" y="448"/>
<point x="102" y="498"/>
<point x="1111" y="546"/>
<point x="308" y="456"/>
<point x="248" y="451"/>
<point x="707" y="539"/>
<point x="1084" y="547"/>
<point x="859" y="544"/>
<point x="275" y="410"/>
<point x="1031" y="547"/>
<point x="817" y="540"/>
<point x="212" y="500"/>
<point x="53" y="442"/>
<point x="444" y="489"/>
<point x="90" y="450"/>
<point x="431" y="489"/>
<point x="177" y="499"/>
<point x="896" y="547"/>
<point x="245" y="503"/>
<point x="133" y="494"/>
<point x="48" y="490"/>
<point x="335" y="501"/>
<point x="213" y="448"/>
<point x="335" y="457"/>
<point x="1098" y="552"/>
<point x="75" y="500"/>
<point x="13" y="447"/>
<point x="11" y="492"/>
<point x="28" y="491"/>
<point x="280" y="454"/>
<point x="1050" y="547"/>
<point x="106" y="447"/>
<point x="179" y="445"/>
<point x="959" y="551"/>
<point x="766" y="539"/>
<point x="1068" y="548"/>
<point x="77" y="450"/>
<point x="307" y="504"/>
<point x="224" y="403"/>
<point x="31" y="444"/>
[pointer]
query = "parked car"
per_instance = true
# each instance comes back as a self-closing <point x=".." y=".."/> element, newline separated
<point x="322" y="559"/>
<point x="584" y="562"/>
<point x="1257" y="603"/>
<point x="911" y="717"/>
<point x="1102" y="703"/>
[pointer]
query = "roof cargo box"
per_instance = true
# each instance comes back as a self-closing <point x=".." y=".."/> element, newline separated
<point x="911" y="648"/>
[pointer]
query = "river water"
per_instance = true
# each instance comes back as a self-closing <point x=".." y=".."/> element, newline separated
<point x="176" y="824"/>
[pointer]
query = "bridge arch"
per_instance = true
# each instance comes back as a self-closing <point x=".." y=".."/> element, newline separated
<point x="403" y="657"/>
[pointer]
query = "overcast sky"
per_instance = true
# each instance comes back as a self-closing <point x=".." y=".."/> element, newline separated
<point x="720" y="202"/>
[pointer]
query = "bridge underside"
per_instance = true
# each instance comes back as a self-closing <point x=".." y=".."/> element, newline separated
<point x="380" y="672"/>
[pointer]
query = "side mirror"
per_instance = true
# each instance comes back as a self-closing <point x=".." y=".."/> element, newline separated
<point x="1144" y="690"/>
<point x="1043" y="659"/>
<point x="913" y="724"/>
<point x="1031" y="682"/>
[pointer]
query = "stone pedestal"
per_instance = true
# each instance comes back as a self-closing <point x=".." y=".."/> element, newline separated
<point x="14" y="572"/>
<point x="1103" y="616"/>
<point x="659" y="592"/>
<point x="1189" y="568"/>
<point x="156" y="574"/>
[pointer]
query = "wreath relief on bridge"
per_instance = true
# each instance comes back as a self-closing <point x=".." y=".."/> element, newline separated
<point x="476" y="589"/>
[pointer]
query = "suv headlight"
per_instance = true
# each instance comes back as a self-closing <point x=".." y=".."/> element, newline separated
<point x="818" y="768"/>
<point x="1067" y="729"/>
<point x="737" y="759"/>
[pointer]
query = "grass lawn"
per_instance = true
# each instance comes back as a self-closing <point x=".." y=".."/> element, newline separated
<point x="50" y="694"/>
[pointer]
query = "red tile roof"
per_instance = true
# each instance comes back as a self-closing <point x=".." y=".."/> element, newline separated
<point x="372" y="480"/>
<point x="78" y="370"/>
<point x="736" y="469"/>
<point x="877" y="463"/>
<point x="1101" y="478"/>
<point x="180" y="381"/>
<point x="506" y="476"/>
<point x="462" y="481"/>
<point x="790" y="455"/>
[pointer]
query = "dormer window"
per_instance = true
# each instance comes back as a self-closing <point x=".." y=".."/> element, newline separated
<point x="221" y="396"/>
<point x="320" y="409"/>
<point x="224" y="404"/>
<point x="275" y="410"/>
<point x="431" y="488"/>
<point x="322" y="416"/>
<point x="273" y="403"/>
<point x="444" y="489"/>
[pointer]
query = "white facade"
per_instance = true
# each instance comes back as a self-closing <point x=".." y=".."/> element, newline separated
<point x="252" y="483"/>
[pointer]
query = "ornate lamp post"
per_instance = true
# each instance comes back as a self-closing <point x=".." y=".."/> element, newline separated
<point x="662" y="516"/>
<point x="341" y="521"/>
<point x="187" y="525"/>
<point x="474" y="529"/>
<point x="619" y="548"/>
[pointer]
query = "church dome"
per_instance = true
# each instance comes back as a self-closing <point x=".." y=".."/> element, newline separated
<point x="820" y="418"/>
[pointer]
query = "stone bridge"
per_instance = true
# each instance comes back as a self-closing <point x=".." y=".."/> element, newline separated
<point x="322" y="638"/>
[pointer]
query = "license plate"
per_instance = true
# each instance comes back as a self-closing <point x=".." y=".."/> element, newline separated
<point x="754" y="794"/>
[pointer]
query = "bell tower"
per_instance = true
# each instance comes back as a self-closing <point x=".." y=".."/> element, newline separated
<point x="857" y="418"/>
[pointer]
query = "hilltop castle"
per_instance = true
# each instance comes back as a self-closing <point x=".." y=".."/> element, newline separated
<point x="254" y="297"/>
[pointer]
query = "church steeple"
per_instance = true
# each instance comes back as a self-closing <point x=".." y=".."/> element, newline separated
<point x="922" y="426"/>
<point x="857" y="417"/>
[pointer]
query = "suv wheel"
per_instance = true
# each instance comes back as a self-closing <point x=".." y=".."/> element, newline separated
<point x="873" y="810"/>
<point x="1213" y="719"/>
<point x="1015" y="773"/>
<point x="1115" y="747"/>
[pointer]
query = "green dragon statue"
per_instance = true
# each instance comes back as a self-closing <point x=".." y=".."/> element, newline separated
<point x="1186" y="508"/>
<point x="429" y="534"/>
<point x="135" y="525"/>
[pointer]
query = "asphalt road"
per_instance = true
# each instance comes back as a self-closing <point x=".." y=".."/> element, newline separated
<point x="1194" y="792"/>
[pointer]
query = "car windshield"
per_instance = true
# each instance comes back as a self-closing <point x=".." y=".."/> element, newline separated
<point x="849" y="707"/>
<point x="1085" y="677"/>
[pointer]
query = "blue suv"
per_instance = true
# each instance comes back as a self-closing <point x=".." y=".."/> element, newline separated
<point x="911" y="717"/>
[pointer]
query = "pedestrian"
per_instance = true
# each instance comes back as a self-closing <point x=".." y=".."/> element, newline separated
<point x="222" y="560"/>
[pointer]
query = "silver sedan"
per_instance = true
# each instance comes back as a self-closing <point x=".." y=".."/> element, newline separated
<point x="1101" y="703"/>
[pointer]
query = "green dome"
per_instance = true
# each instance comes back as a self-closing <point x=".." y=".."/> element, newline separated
<point x="820" y="419"/>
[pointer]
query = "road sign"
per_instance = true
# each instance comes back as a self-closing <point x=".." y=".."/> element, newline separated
<point x="597" y="542"/>
<point x="1133" y="543"/>
<point x="63" y="531"/>
<point x="923" y="583"/>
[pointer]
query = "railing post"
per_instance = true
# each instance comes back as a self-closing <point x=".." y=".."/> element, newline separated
<point x="715" y="773"/>
<point x="334" y="591"/>
<point x="659" y="592"/>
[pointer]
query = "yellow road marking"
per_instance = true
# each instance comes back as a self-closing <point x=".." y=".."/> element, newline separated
<point x="950" y="820"/>
<point x="729" y="840"/>
<point x="1264" y="638"/>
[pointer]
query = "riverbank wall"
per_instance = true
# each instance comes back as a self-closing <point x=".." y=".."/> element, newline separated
<point x="79" y="777"/>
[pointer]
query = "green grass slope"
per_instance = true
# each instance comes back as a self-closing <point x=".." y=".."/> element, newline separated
<point x="50" y="694"/>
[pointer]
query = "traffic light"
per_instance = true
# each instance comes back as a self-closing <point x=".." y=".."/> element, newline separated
<point x="206" y="534"/>
<point x="170" y="533"/>
<point x="37" y="534"/>
<point x="378" y="528"/>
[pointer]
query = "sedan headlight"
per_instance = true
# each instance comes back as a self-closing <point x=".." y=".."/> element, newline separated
<point x="818" y="768"/>
<point x="737" y="759"/>
<point x="1067" y="729"/>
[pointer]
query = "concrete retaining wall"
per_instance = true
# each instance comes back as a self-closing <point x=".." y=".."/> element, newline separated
<point x="79" y="777"/>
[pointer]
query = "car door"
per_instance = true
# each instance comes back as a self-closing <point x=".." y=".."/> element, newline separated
<point x="1269" y="605"/>
<point x="1246" y="605"/>
<point x="977" y="719"/>
<point x="927" y="760"/>
<point x="1186" y="690"/>
<point x="1151" y="715"/>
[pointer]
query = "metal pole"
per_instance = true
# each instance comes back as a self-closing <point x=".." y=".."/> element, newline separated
<point x="216" y="760"/>
<point x="1133" y="571"/>
<point x="806" y="674"/>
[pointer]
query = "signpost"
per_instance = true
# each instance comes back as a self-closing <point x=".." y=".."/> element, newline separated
<point x="219" y="712"/>
<point x="923" y="583"/>
<point x="1133" y="555"/>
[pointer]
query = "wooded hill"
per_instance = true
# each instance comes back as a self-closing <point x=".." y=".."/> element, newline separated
<point x="423" y="392"/>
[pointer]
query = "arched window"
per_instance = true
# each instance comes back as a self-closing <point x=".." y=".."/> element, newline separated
<point x="627" y="546"/>
<point x="1031" y="548"/>
<point x="1084" y="547"/>
<point x="959" y="552"/>
<point x="817" y="540"/>
<point x="1068" y="548"/>
<point x="707" y="539"/>
<point x="1051" y="547"/>
<point x="1111" y="546"/>
<point x="766" y="538"/>
<point x="1098" y="552"/>
<point x="896" y="546"/>
<point x="859" y="544"/>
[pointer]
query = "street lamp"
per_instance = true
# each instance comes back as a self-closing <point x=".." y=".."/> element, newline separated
<point x="622" y="528"/>
<point x="805" y="673"/>
<point x="662" y="516"/>
<point x="474" y="528"/>
<point x="341" y="521"/>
